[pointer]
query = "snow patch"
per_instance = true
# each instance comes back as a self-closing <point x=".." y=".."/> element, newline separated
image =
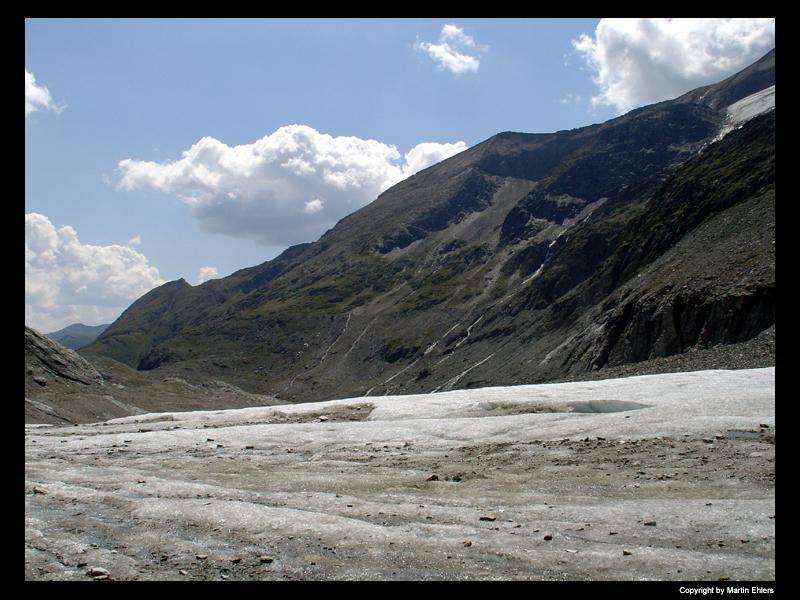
<point x="677" y="404"/>
<point x="450" y="383"/>
<point x="393" y="376"/>
<point x="535" y="275"/>
<point x="738" y="113"/>
<point x="360" y="335"/>
<point x="325" y="355"/>
<point x="469" y="330"/>
<point x="752" y="106"/>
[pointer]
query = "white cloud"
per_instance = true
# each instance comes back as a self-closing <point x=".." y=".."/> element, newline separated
<point x="68" y="282"/>
<point x="456" y="51"/>
<point x="313" y="206"/>
<point x="206" y="273"/>
<point x="642" y="61"/>
<point x="285" y="188"/>
<point x="426" y="154"/>
<point x="134" y="241"/>
<point x="37" y="97"/>
<point x="456" y="35"/>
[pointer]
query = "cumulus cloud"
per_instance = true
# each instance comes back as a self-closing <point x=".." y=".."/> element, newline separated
<point x="206" y="273"/>
<point x="456" y="51"/>
<point x="134" y="241"/>
<point x="285" y="188"/>
<point x="426" y="154"/>
<point x="68" y="282"/>
<point x="313" y="206"/>
<point x="642" y="61"/>
<point x="37" y="97"/>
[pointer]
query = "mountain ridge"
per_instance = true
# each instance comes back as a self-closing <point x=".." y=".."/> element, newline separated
<point x="496" y="251"/>
<point x="77" y="335"/>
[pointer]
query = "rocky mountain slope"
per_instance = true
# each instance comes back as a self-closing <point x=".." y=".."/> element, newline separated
<point x="46" y="361"/>
<point x="526" y="258"/>
<point x="77" y="335"/>
<point x="62" y="387"/>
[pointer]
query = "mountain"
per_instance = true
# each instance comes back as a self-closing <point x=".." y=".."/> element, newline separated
<point x="63" y="387"/>
<point x="46" y="359"/>
<point x="52" y="367"/>
<point x="77" y="335"/>
<point x="526" y="258"/>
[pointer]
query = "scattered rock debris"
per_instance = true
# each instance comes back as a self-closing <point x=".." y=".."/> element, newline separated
<point x="98" y="572"/>
<point x="199" y="501"/>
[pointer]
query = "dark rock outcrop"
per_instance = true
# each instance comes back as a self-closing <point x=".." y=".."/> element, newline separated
<point x="47" y="362"/>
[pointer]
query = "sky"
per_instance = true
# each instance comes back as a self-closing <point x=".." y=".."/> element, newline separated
<point x="159" y="149"/>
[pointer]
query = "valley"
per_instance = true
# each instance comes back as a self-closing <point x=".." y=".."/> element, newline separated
<point x="549" y="357"/>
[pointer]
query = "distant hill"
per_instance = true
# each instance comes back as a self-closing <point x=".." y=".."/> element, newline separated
<point x="77" y="335"/>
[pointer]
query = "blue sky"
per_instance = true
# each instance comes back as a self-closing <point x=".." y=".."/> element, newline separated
<point x="155" y="148"/>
